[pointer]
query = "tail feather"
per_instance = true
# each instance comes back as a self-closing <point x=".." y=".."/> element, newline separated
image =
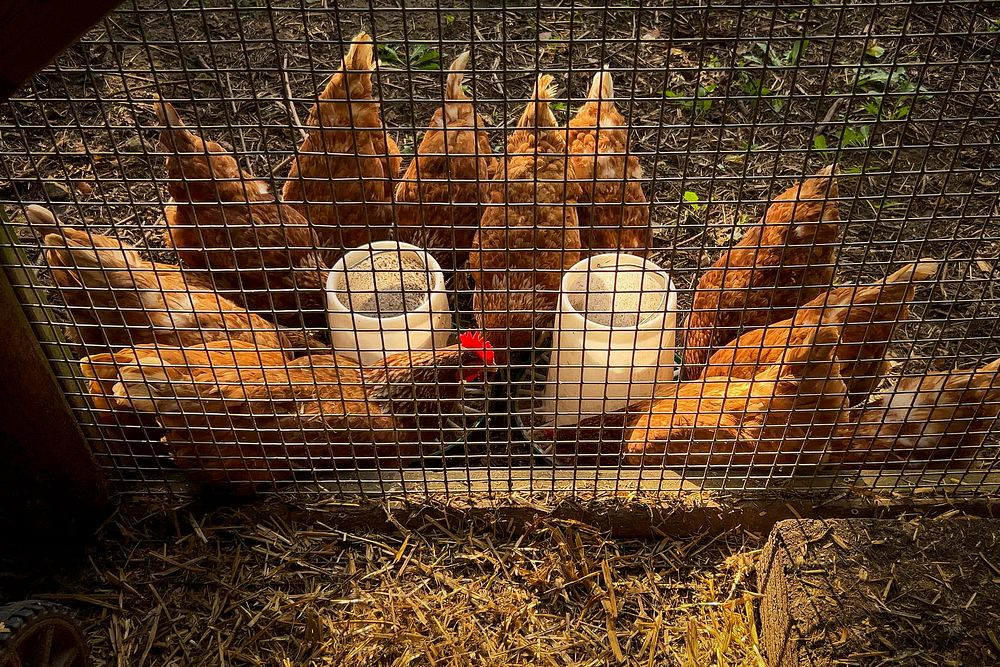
<point x="152" y="388"/>
<point x="802" y="206"/>
<point x="822" y="184"/>
<point x="924" y="269"/>
<point x="457" y="107"/>
<point x="602" y="91"/>
<point x="92" y="260"/>
<point x="170" y="373"/>
<point x="354" y="79"/>
<point x="889" y="297"/>
<point x="538" y="112"/>
<point x="42" y="220"/>
<point x="602" y="87"/>
<point x="453" y="87"/>
<point x="175" y="136"/>
<point x="361" y="54"/>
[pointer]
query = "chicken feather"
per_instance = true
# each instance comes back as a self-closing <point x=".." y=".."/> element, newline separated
<point x="530" y="234"/>
<point x="777" y="266"/>
<point x="341" y="179"/>
<point x="236" y="418"/>
<point x="776" y="419"/>
<point x="616" y="217"/>
<point x="436" y="201"/>
<point x="869" y="314"/>
<point x="117" y="299"/>
<point x="939" y="420"/>
<point x="261" y="253"/>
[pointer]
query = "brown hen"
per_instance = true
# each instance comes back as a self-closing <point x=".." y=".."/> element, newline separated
<point x="261" y="253"/>
<point x="936" y="421"/>
<point x="617" y="218"/>
<point x="779" y="418"/>
<point x="101" y="371"/>
<point x="531" y="233"/>
<point x="777" y="266"/>
<point x="240" y="420"/>
<point x="869" y="315"/>
<point x="439" y="196"/>
<point x="341" y="179"/>
<point x="117" y="299"/>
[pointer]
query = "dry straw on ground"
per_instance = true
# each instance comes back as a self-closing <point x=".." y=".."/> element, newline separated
<point x="169" y="585"/>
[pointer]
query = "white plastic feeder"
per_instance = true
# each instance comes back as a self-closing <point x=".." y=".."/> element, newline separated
<point x="386" y="297"/>
<point x="613" y="340"/>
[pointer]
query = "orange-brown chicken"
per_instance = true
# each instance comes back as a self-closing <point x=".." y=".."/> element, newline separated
<point x="437" y="202"/>
<point x="261" y="253"/>
<point x="777" y="266"/>
<point x="101" y="371"/>
<point x="341" y="179"/>
<point x="618" y="215"/>
<point x="117" y="299"/>
<point x="531" y="233"/>
<point x="782" y="417"/>
<point x="936" y="421"/>
<point x="868" y="313"/>
<point x="241" y="421"/>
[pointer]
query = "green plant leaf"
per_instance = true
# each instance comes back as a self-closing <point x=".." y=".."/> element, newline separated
<point x="796" y="52"/>
<point x="819" y="142"/>
<point x="873" y="109"/>
<point x="388" y="55"/>
<point x="873" y="50"/>
<point x="855" y="137"/>
<point x="424" y="57"/>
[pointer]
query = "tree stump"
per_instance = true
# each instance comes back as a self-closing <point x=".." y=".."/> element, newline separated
<point x="881" y="592"/>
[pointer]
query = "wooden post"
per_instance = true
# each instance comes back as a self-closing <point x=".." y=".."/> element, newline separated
<point x="879" y="592"/>
<point x="51" y="488"/>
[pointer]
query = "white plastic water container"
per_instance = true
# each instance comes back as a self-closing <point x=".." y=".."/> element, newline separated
<point x="386" y="297"/>
<point x="612" y="344"/>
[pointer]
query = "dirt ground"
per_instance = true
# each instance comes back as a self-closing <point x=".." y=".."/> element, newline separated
<point x="727" y="106"/>
<point x="168" y="584"/>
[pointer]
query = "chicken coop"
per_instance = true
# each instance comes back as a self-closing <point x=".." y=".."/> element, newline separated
<point x="670" y="268"/>
<point x="394" y="250"/>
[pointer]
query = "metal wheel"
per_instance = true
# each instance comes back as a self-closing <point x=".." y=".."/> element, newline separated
<point x="41" y="634"/>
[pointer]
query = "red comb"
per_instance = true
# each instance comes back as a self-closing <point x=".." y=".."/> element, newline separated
<point x="473" y="340"/>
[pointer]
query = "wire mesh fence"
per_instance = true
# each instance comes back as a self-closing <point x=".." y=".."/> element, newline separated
<point x="665" y="244"/>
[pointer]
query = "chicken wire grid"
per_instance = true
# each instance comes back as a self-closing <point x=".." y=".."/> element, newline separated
<point x="725" y="106"/>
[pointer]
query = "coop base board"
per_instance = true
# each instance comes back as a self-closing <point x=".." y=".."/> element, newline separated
<point x="872" y="592"/>
<point x="623" y="503"/>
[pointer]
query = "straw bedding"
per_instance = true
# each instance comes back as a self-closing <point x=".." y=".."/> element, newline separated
<point x="272" y="584"/>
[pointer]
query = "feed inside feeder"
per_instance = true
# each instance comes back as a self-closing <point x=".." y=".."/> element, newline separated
<point x="386" y="284"/>
<point x="387" y="297"/>
<point x="613" y="340"/>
